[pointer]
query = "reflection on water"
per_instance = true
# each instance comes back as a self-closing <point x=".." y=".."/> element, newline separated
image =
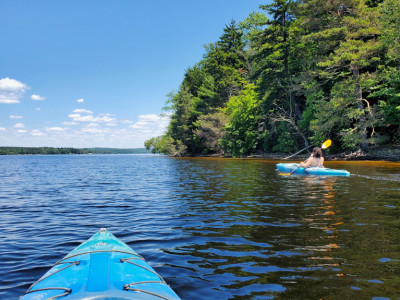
<point x="213" y="228"/>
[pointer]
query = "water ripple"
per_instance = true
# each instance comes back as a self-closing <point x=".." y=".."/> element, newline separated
<point x="213" y="228"/>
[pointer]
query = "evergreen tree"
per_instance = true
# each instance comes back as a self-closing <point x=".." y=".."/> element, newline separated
<point x="389" y="91"/>
<point x="357" y="56"/>
<point x="279" y="59"/>
<point x="225" y="61"/>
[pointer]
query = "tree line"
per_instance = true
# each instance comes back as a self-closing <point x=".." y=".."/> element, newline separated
<point x="66" y="150"/>
<point x="290" y="75"/>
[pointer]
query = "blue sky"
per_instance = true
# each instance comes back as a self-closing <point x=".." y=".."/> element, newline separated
<point x="95" y="73"/>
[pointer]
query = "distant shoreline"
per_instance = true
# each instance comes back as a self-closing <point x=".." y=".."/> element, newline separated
<point x="69" y="150"/>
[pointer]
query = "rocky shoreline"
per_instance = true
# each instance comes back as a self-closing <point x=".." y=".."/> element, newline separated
<point x="384" y="155"/>
<point x="387" y="155"/>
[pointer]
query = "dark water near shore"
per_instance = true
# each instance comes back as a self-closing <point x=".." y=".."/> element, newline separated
<point x="213" y="228"/>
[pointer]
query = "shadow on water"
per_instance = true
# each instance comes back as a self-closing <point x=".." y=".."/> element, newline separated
<point x="213" y="228"/>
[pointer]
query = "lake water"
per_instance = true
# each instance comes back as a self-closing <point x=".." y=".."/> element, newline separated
<point x="213" y="228"/>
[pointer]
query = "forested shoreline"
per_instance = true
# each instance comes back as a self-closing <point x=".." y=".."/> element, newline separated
<point x="291" y="76"/>
<point x="66" y="150"/>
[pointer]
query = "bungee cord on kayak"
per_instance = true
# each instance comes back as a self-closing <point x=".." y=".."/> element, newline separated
<point x="67" y="290"/>
<point x="128" y="286"/>
<point x="128" y="260"/>
<point x="144" y="291"/>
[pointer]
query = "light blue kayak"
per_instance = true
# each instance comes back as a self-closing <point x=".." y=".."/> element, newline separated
<point x="101" y="268"/>
<point x="289" y="167"/>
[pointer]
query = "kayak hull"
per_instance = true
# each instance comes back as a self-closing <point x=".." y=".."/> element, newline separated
<point x="289" y="167"/>
<point x="103" y="267"/>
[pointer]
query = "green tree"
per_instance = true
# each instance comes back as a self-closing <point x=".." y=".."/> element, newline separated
<point x="390" y="20"/>
<point x="225" y="61"/>
<point x="166" y="145"/>
<point x="389" y="91"/>
<point x="181" y="124"/>
<point x="206" y="87"/>
<point x="279" y="62"/>
<point x="358" y="55"/>
<point x="344" y="44"/>
<point x="252" y="26"/>
<point x="211" y="129"/>
<point x="241" y="137"/>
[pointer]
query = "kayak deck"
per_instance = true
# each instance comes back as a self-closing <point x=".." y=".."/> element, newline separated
<point x="289" y="167"/>
<point x="103" y="267"/>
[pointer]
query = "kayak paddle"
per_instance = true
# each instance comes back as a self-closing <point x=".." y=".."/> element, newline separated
<point x="324" y="145"/>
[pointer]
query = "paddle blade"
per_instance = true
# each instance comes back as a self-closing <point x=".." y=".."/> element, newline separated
<point x="326" y="144"/>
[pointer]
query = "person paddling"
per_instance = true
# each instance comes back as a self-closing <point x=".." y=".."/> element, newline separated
<point x="315" y="160"/>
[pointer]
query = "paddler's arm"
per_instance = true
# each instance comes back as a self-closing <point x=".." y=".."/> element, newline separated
<point x="307" y="163"/>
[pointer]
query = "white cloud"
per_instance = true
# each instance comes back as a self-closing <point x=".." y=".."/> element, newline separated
<point x="38" y="98"/>
<point x="38" y="109"/>
<point x="19" y="125"/>
<point x="55" y="129"/>
<point x="70" y="123"/>
<point x="123" y="133"/>
<point x="139" y="125"/>
<point x="93" y="130"/>
<point x="16" y="117"/>
<point x="73" y="116"/>
<point x="91" y="119"/>
<point x="11" y="90"/>
<point x="8" y="84"/>
<point x="150" y="118"/>
<point x="82" y="111"/>
<point x="151" y="122"/>
<point x="8" y="100"/>
<point x="86" y="128"/>
<point x="80" y="100"/>
<point x="37" y="132"/>
<point x="105" y="119"/>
